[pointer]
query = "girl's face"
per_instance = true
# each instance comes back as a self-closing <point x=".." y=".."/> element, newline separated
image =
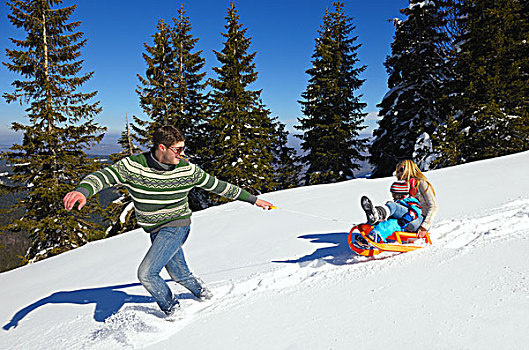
<point x="397" y="196"/>
<point x="400" y="171"/>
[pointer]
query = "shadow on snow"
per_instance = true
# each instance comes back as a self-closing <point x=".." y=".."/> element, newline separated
<point x="107" y="300"/>
<point x="337" y="254"/>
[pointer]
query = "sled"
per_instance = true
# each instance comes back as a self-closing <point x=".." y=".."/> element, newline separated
<point x="401" y="240"/>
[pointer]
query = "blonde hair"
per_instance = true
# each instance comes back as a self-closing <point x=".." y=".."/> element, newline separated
<point x="411" y="170"/>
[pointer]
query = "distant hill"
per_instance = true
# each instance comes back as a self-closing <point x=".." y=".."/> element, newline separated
<point x="365" y="167"/>
<point x="108" y="146"/>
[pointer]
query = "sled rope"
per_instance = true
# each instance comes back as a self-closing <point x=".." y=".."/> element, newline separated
<point x="311" y="215"/>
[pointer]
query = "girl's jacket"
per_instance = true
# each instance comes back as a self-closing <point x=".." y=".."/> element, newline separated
<point x="386" y="228"/>
<point x="414" y="210"/>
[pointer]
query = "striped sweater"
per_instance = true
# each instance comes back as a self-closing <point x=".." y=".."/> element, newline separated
<point x="159" y="191"/>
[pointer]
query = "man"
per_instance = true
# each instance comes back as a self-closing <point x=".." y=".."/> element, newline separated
<point x="159" y="182"/>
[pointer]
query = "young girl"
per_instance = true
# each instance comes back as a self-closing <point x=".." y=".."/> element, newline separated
<point x="420" y="188"/>
<point x="400" y="191"/>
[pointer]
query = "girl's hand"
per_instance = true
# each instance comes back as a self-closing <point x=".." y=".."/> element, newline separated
<point x="421" y="233"/>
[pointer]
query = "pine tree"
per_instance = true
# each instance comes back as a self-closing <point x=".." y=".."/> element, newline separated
<point x="333" y="113"/>
<point x="51" y="157"/>
<point x="490" y="95"/>
<point x="412" y="108"/>
<point x="191" y="102"/>
<point x="242" y="134"/>
<point x="287" y="167"/>
<point x="172" y="90"/>
<point x="126" y="141"/>
<point x="158" y="88"/>
<point x="448" y="140"/>
<point x="120" y="213"/>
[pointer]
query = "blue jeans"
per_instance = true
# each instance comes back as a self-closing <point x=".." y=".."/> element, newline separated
<point x="397" y="211"/>
<point x="166" y="250"/>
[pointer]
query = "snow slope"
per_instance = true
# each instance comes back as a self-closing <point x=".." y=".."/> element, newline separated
<point x="286" y="279"/>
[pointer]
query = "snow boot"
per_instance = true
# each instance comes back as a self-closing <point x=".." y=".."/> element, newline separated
<point x="204" y="294"/>
<point x="374" y="214"/>
<point x="201" y="293"/>
<point x="196" y="286"/>
<point x="173" y="310"/>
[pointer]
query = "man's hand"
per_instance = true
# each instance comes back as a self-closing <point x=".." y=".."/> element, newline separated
<point x="71" y="198"/>
<point x="421" y="233"/>
<point x="263" y="204"/>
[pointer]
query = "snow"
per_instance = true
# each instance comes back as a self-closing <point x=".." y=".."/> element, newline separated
<point x="128" y="208"/>
<point x="424" y="145"/>
<point x="422" y="4"/>
<point x="286" y="279"/>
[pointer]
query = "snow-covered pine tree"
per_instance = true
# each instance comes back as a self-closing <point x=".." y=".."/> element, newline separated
<point x="241" y="132"/>
<point x="417" y="69"/>
<point x="120" y="213"/>
<point x="332" y="110"/>
<point x="490" y="96"/>
<point x="51" y="157"/>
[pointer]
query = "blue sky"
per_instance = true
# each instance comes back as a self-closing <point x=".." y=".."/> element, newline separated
<point x="282" y="32"/>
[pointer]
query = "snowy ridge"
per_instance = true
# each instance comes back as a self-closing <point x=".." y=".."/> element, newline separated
<point x="287" y="279"/>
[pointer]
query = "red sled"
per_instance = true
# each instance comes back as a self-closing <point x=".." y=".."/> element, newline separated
<point x="401" y="240"/>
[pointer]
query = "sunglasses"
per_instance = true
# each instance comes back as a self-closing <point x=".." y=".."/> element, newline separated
<point x="177" y="150"/>
<point x="400" y="170"/>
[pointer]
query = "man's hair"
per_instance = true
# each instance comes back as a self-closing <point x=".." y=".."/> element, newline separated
<point x="167" y="135"/>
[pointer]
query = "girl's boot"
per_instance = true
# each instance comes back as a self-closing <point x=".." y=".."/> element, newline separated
<point x="374" y="214"/>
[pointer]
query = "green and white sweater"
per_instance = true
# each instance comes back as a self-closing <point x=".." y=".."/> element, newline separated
<point x="159" y="191"/>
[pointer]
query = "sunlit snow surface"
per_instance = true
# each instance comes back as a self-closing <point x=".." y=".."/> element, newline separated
<point x="286" y="279"/>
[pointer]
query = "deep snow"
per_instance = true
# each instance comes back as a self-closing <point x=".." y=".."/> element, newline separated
<point x="286" y="279"/>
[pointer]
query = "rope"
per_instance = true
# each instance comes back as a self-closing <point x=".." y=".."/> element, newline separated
<point x="311" y="215"/>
